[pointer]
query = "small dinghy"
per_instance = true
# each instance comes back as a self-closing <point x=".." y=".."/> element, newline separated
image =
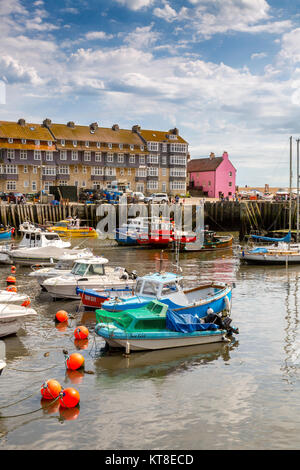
<point x="12" y="317"/>
<point x="156" y="326"/>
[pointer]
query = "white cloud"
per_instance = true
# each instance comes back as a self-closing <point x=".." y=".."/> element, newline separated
<point x="209" y="17"/>
<point x="290" y="46"/>
<point x="258" y="55"/>
<point x="135" y="4"/>
<point x="142" y="37"/>
<point x="167" y="13"/>
<point x="92" y="35"/>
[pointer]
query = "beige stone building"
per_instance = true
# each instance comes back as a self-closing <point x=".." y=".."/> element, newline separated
<point x="37" y="156"/>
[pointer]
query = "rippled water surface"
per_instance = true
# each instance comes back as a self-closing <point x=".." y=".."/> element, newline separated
<point x="242" y="395"/>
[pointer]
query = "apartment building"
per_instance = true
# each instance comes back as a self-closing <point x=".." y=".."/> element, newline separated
<point x="37" y="156"/>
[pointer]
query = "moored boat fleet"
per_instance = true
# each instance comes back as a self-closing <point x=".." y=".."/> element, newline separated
<point x="135" y="312"/>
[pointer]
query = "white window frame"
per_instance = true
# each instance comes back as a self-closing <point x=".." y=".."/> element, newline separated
<point x="63" y="170"/>
<point x="110" y="158"/>
<point x="49" y="156"/>
<point x="152" y="159"/>
<point x="98" y="156"/>
<point x="37" y="155"/>
<point x="177" y="160"/>
<point x="179" y="148"/>
<point x="87" y="156"/>
<point x="142" y="159"/>
<point x="33" y="186"/>
<point x="11" y="154"/>
<point x="97" y="171"/>
<point x="74" y="155"/>
<point x="63" y="155"/>
<point x="23" y="154"/>
<point x="49" y="170"/>
<point x="25" y="169"/>
<point x="11" y="185"/>
<point x="120" y="157"/>
<point x="131" y="158"/>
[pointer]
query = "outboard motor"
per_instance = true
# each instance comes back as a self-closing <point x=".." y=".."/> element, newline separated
<point x="222" y="323"/>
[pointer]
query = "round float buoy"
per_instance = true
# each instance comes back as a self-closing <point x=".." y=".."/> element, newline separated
<point x="69" y="398"/>
<point x="11" y="289"/>
<point x="74" y="361"/>
<point x="13" y="269"/>
<point x="62" y="316"/>
<point x="26" y="303"/>
<point x="10" y="280"/>
<point x="81" y="332"/>
<point x="50" y="389"/>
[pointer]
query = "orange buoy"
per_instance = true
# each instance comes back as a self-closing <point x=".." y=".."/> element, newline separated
<point x="11" y="280"/>
<point x="50" y="389"/>
<point x="13" y="269"/>
<point x="62" y="316"/>
<point x="11" y="289"/>
<point x="69" y="398"/>
<point x="26" y="303"/>
<point x="74" y="361"/>
<point x="81" y="332"/>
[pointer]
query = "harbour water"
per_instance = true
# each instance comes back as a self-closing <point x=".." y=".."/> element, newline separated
<point x="240" y="395"/>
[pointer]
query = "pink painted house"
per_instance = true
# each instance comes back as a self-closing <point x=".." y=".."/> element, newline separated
<point x="213" y="175"/>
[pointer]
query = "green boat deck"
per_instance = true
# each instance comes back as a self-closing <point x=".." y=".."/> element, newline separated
<point x="150" y="317"/>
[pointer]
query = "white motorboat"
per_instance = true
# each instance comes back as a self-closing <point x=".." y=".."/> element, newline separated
<point x="8" y="297"/>
<point x="88" y="274"/>
<point x="36" y="246"/>
<point x="12" y="317"/>
<point x="62" y="267"/>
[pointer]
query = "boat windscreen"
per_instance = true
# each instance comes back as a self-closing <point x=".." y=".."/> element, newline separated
<point x="79" y="269"/>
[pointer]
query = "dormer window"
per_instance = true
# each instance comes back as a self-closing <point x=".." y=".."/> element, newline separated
<point x="63" y="142"/>
<point x="87" y="144"/>
<point x="23" y="141"/>
<point x="142" y="147"/>
<point x="37" y="142"/>
<point x="98" y="145"/>
<point x="49" y="143"/>
<point x="120" y="146"/>
<point x="74" y="143"/>
<point x="131" y="147"/>
<point x="109" y="146"/>
<point x="10" y="141"/>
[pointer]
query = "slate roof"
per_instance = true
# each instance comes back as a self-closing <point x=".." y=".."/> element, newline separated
<point x="204" y="164"/>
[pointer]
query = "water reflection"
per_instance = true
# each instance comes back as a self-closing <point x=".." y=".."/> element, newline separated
<point x="160" y="363"/>
<point x="290" y="346"/>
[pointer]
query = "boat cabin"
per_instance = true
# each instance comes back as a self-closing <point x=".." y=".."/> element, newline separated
<point x="33" y="239"/>
<point x="89" y="267"/>
<point x="158" y="285"/>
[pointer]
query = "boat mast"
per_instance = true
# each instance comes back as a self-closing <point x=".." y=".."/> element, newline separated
<point x="291" y="176"/>
<point x="297" y="190"/>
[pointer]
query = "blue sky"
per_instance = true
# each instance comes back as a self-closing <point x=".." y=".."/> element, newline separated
<point x="225" y="72"/>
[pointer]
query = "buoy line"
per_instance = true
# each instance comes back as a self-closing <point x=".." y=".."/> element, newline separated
<point x="30" y="412"/>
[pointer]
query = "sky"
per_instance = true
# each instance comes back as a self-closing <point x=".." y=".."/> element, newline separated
<point x="226" y="73"/>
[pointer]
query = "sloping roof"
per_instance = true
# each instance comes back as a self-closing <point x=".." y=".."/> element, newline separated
<point x="160" y="136"/>
<point x="28" y="131"/>
<point x="204" y="164"/>
<point x="101" y="134"/>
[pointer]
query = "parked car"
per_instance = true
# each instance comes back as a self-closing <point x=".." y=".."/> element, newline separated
<point x="157" y="197"/>
<point x="139" y="197"/>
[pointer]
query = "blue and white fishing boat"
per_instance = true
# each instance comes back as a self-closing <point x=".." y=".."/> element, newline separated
<point x="156" y="326"/>
<point x="167" y="288"/>
<point x="127" y="233"/>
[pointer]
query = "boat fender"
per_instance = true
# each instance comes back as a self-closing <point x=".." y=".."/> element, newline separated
<point x="227" y="303"/>
<point x="210" y="311"/>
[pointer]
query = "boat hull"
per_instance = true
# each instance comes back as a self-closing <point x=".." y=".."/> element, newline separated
<point x="269" y="259"/>
<point x="221" y="243"/>
<point x="157" y="340"/>
<point x="92" y="299"/>
<point x="70" y="291"/>
<point x="217" y="303"/>
<point x="75" y="233"/>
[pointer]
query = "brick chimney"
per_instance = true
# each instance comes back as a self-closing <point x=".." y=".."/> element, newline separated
<point x="47" y="122"/>
<point x="71" y="124"/>
<point x="136" y="128"/>
<point x="115" y="127"/>
<point x="21" y="122"/>
<point x="93" y="127"/>
<point x="225" y="156"/>
<point x="211" y="156"/>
